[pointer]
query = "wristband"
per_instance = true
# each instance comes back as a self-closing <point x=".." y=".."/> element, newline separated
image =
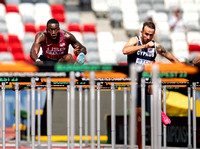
<point x="37" y="60"/>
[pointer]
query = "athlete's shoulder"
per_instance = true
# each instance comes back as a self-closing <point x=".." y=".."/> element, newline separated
<point x="41" y="36"/>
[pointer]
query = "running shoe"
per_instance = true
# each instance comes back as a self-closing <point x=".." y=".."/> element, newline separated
<point x="80" y="58"/>
<point x="165" y="119"/>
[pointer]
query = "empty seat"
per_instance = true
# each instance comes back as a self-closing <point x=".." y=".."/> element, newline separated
<point x="159" y="7"/>
<point x="2" y="10"/>
<point x="93" y="57"/>
<point x="100" y="7"/>
<point x="30" y="28"/>
<point x="178" y="36"/>
<point x="180" y="50"/>
<point x="144" y="7"/>
<point x="91" y="46"/>
<point x="27" y="42"/>
<point x="194" y="48"/>
<point x="57" y="8"/>
<point x="12" y="39"/>
<point x="193" y="37"/>
<point x="6" y="56"/>
<point x="191" y="18"/>
<point x="74" y="27"/>
<point x="12" y="8"/>
<point x="115" y="16"/>
<point x="3" y="28"/>
<point x="42" y="27"/>
<point x="72" y="17"/>
<point x="4" y="47"/>
<point x="89" y="37"/>
<point x="59" y="17"/>
<point x="19" y="56"/>
<point x="12" y="2"/>
<point x="89" y="28"/>
<point x="58" y="12"/>
<point x="42" y="13"/>
<point x="27" y="12"/>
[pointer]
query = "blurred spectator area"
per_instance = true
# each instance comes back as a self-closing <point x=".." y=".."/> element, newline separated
<point x="103" y="26"/>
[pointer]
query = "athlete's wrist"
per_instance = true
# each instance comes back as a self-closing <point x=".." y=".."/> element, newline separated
<point x="37" y="60"/>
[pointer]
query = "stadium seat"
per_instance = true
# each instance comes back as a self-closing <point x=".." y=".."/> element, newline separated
<point x="12" y="39"/>
<point x="115" y="16"/>
<point x="57" y="8"/>
<point x="193" y="37"/>
<point x="89" y="28"/>
<point x="100" y="7"/>
<point x="180" y="50"/>
<point x="159" y="7"/>
<point x="58" y="12"/>
<point x="42" y="13"/>
<point x="27" y="42"/>
<point x="89" y="37"/>
<point x="91" y="46"/>
<point x="191" y="18"/>
<point x="19" y="56"/>
<point x="2" y="9"/>
<point x="2" y="38"/>
<point x="194" y="48"/>
<point x="93" y="57"/>
<point x="29" y="27"/>
<point x="60" y="17"/>
<point x="78" y="36"/>
<point x="27" y="12"/>
<point x="6" y="56"/>
<point x="3" y="28"/>
<point x="14" y="24"/>
<point x="74" y="27"/>
<point x="178" y="36"/>
<point x="12" y="8"/>
<point x="3" y="47"/>
<point x="42" y="27"/>
<point x="12" y="2"/>
<point x="72" y="17"/>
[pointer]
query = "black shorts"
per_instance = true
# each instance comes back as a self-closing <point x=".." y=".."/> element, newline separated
<point x="147" y="96"/>
<point x="47" y="61"/>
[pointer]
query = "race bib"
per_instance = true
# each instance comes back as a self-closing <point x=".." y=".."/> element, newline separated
<point x="142" y="61"/>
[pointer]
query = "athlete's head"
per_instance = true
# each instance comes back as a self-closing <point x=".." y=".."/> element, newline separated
<point x="148" y="31"/>
<point x="53" y="29"/>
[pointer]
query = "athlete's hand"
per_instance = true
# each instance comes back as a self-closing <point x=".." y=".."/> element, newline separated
<point x="150" y="44"/>
<point x="78" y="51"/>
<point x="39" y="62"/>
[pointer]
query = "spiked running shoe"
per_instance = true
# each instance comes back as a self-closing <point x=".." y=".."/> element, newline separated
<point x="81" y="58"/>
<point x="165" y="119"/>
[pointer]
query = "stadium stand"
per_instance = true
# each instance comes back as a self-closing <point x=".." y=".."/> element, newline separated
<point x="113" y="17"/>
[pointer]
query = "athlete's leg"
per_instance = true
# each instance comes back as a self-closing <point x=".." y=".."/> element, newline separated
<point x="139" y="131"/>
<point x="68" y="58"/>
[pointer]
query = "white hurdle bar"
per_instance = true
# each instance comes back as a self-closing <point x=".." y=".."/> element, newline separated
<point x="156" y="113"/>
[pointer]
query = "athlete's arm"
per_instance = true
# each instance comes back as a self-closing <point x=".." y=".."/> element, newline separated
<point x="163" y="52"/>
<point x="78" y="47"/>
<point x="36" y="46"/>
<point x="132" y="47"/>
<point x="196" y="61"/>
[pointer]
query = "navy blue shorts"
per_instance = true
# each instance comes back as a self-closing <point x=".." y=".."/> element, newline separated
<point x="147" y="96"/>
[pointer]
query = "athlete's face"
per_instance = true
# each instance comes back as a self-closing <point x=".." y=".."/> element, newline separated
<point x="147" y="34"/>
<point x="53" y="30"/>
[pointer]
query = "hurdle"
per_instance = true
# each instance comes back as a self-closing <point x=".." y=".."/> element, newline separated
<point x="94" y="83"/>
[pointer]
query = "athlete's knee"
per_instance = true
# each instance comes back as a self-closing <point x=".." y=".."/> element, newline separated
<point x="139" y="114"/>
<point x="68" y="58"/>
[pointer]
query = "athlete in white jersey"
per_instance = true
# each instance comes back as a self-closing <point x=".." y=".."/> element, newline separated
<point x="142" y="50"/>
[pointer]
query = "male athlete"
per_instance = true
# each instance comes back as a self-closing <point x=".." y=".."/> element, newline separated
<point x="55" y="43"/>
<point x="142" y="50"/>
